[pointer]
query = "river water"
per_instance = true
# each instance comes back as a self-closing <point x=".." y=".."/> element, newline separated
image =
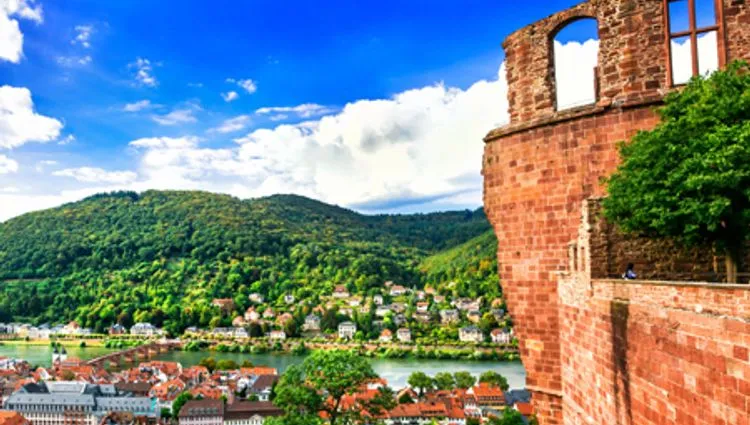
<point x="396" y="371"/>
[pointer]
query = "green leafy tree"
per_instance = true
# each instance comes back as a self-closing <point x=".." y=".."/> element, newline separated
<point x="689" y="177"/>
<point x="493" y="378"/>
<point x="226" y="364"/>
<point x="166" y="413"/>
<point x="419" y="380"/>
<point x="405" y="398"/>
<point x="180" y="401"/>
<point x="209" y="363"/>
<point x="464" y="380"/>
<point x="444" y="381"/>
<point x="320" y="383"/>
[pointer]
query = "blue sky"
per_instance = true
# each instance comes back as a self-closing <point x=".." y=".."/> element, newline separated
<point x="379" y="106"/>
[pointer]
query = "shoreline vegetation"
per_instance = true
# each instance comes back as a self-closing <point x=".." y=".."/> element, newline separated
<point x="479" y="352"/>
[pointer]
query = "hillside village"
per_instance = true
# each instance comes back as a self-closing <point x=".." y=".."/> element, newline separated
<point x="394" y="314"/>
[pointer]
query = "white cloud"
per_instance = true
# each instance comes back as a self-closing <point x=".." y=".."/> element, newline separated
<point x="195" y="85"/>
<point x="97" y="175"/>
<point x="7" y="165"/>
<point x="574" y="73"/>
<point x="73" y="61"/>
<point x="166" y="142"/>
<point x="42" y="165"/>
<point x="139" y="106"/>
<point x="67" y="140"/>
<point x="11" y="38"/>
<point x="230" y="96"/>
<point x="305" y="110"/>
<point x="420" y="146"/>
<point x="682" y="63"/>
<point x="83" y="35"/>
<point x="248" y="85"/>
<point x="9" y="189"/>
<point x="19" y="124"/>
<point x="231" y="125"/>
<point x="144" y="72"/>
<point x="177" y="116"/>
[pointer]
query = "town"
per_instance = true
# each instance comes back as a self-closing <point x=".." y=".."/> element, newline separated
<point x="73" y="391"/>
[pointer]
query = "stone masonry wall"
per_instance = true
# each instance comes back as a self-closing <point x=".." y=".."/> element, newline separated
<point x="537" y="171"/>
<point x="654" y="259"/>
<point x="641" y="352"/>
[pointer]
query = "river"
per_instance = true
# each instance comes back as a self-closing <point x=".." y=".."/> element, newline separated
<point x="396" y="371"/>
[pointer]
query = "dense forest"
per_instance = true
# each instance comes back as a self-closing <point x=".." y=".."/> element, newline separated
<point x="163" y="256"/>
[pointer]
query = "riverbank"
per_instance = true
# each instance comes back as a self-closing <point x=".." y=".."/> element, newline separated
<point x="301" y="346"/>
<point x="373" y="350"/>
<point x="47" y="342"/>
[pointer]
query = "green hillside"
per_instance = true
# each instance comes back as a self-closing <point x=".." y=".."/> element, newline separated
<point x="163" y="256"/>
<point x="472" y="266"/>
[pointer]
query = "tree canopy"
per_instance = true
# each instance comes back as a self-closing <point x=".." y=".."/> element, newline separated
<point x="689" y="177"/>
<point x="493" y="378"/>
<point x="320" y="384"/>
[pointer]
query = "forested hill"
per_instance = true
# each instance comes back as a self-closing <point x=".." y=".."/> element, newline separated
<point x="162" y="256"/>
<point x="112" y="231"/>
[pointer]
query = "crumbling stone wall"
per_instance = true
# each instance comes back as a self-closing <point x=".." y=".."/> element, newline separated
<point x="654" y="258"/>
<point x="538" y="169"/>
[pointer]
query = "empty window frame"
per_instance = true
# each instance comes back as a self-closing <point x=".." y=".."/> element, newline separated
<point x="694" y="35"/>
<point x="575" y="54"/>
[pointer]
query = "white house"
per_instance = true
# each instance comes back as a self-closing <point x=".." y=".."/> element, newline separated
<point x="145" y="329"/>
<point x="397" y="290"/>
<point x="470" y="334"/>
<point x="386" y="335"/>
<point x="277" y="335"/>
<point x="340" y="291"/>
<point x="347" y="330"/>
<point x="251" y="315"/>
<point x="500" y="336"/>
<point x="449" y="316"/>
<point x="404" y="335"/>
<point x="312" y="323"/>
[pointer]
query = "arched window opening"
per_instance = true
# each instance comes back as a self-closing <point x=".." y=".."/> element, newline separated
<point x="694" y="33"/>
<point x="576" y="51"/>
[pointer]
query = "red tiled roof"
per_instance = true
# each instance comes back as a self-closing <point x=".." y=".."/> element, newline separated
<point x="526" y="409"/>
<point x="258" y="370"/>
<point x="12" y="418"/>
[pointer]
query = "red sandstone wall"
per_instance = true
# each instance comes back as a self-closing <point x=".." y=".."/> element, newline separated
<point x="534" y="183"/>
<point x="657" y="353"/>
<point x="537" y="171"/>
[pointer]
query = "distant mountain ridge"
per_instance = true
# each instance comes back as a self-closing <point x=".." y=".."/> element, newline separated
<point x="125" y="228"/>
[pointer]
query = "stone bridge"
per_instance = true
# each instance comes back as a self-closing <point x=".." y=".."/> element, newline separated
<point x="134" y="354"/>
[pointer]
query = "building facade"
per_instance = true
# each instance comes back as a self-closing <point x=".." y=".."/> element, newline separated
<point x="73" y="403"/>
